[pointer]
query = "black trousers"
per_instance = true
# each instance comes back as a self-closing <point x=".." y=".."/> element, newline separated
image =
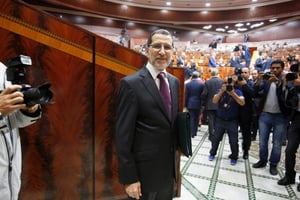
<point x="293" y="137"/>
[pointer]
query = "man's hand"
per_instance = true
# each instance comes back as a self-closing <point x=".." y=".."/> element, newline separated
<point x="134" y="190"/>
<point x="11" y="100"/>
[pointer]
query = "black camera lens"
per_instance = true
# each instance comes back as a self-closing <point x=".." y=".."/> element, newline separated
<point x="229" y="88"/>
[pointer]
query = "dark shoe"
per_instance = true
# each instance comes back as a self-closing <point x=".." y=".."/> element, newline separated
<point x="233" y="162"/>
<point x="298" y="187"/>
<point x="259" y="164"/>
<point x="273" y="170"/>
<point x="245" y="155"/>
<point x="286" y="181"/>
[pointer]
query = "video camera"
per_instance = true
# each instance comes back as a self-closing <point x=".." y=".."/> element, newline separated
<point x="16" y="73"/>
<point x="266" y="76"/>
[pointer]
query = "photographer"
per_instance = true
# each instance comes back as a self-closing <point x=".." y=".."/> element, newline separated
<point x="14" y="114"/>
<point x="292" y="100"/>
<point x="228" y="99"/>
<point x="245" y="112"/>
<point x="273" y="115"/>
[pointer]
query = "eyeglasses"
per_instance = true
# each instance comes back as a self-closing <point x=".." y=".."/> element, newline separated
<point x="158" y="47"/>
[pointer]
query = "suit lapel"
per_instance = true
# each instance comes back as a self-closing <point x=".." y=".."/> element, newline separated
<point x="152" y="89"/>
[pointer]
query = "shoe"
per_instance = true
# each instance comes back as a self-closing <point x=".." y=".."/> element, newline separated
<point x="211" y="157"/>
<point x="259" y="164"/>
<point x="245" y="155"/>
<point x="233" y="162"/>
<point x="298" y="187"/>
<point x="273" y="170"/>
<point x="286" y="181"/>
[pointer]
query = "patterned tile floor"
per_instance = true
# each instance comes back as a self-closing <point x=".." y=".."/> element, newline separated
<point x="218" y="180"/>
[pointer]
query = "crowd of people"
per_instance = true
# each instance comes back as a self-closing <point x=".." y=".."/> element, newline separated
<point x="256" y="102"/>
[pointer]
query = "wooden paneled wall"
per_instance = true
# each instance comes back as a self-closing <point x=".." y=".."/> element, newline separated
<point x="70" y="152"/>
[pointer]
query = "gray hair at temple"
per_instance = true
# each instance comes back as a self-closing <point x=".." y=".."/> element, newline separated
<point x="214" y="71"/>
<point x="195" y="74"/>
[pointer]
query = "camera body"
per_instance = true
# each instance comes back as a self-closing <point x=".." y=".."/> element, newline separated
<point x="16" y="73"/>
<point x="229" y="85"/>
<point x="266" y="76"/>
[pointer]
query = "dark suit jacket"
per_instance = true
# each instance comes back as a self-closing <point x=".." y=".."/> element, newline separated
<point x="211" y="87"/>
<point x="145" y="136"/>
<point x="193" y="90"/>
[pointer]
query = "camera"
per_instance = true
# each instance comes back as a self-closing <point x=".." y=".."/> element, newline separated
<point x="294" y="68"/>
<point x="16" y="73"/>
<point x="229" y="87"/>
<point x="267" y="75"/>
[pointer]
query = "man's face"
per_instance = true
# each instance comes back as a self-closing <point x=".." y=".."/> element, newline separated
<point x="160" y="51"/>
<point x="254" y="74"/>
<point x="245" y="73"/>
<point x="276" y="69"/>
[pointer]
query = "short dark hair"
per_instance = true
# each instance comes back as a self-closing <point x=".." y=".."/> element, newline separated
<point x="159" y="31"/>
<point x="278" y="62"/>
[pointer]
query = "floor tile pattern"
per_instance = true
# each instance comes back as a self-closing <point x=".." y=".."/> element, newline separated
<point x="219" y="180"/>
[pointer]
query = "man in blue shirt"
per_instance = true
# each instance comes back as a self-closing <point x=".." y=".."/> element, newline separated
<point x="228" y="99"/>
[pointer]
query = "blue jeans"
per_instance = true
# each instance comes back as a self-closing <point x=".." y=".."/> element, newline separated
<point x="277" y="123"/>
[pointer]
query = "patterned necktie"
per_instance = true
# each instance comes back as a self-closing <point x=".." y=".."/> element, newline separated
<point x="164" y="91"/>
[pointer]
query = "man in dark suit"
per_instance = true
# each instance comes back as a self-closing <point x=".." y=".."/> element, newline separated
<point x="193" y="90"/>
<point x="211" y="87"/>
<point x="145" y="128"/>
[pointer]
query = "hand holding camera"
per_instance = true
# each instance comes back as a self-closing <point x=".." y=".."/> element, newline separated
<point x="11" y="99"/>
<point x="16" y="71"/>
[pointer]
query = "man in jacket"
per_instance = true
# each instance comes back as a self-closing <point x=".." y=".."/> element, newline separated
<point x="14" y="114"/>
<point x="145" y="126"/>
<point x="193" y="90"/>
<point x="211" y="87"/>
<point x="273" y="116"/>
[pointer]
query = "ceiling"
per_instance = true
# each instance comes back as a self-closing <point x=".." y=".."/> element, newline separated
<point x="219" y="16"/>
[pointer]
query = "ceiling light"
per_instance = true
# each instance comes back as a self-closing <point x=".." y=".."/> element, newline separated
<point x="207" y="27"/>
<point x="207" y="4"/>
<point x="204" y="12"/>
<point x="272" y="20"/>
<point x="242" y="29"/>
<point x="231" y="31"/>
<point x="226" y="27"/>
<point x="220" y="29"/>
<point x="254" y="0"/>
<point x="168" y="3"/>
<point x="164" y="11"/>
<point x="248" y="24"/>
<point x="239" y="25"/>
<point x="256" y="25"/>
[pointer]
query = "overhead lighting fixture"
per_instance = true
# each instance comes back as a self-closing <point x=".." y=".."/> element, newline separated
<point x="272" y="20"/>
<point x="207" y="4"/>
<point x="231" y="31"/>
<point x="204" y="12"/>
<point x="226" y="27"/>
<point x="256" y="25"/>
<point x="254" y="0"/>
<point x="239" y="25"/>
<point x="164" y="11"/>
<point x="168" y="3"/>
<point x="242" y="29"/>
<point x="207" y="27"/>
<point x="220" y="29"/>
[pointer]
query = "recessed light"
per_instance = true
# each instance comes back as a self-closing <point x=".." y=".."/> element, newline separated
<point x="272" y="20"/>
<point x="242" y="29"/>
<point x="168" y="3"/>
<point x="207" y="27"/>
<point x="239" y="25"/>
<point x="220" y="29"/>
<point x="207" y="4"/>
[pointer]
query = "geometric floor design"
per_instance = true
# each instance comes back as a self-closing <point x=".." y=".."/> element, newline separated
<point x="218" y="180"/>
